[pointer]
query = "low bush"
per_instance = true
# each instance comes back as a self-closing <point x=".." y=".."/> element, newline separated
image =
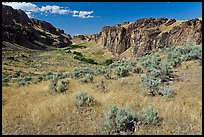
<point x="27" y="78"/>
<point x="87" y="78"/>
<point x="121" y="71"/>
<point x="118" y="120"/>
<point x="82" y="99"/>
<point x="77" y="53"/>
<point x="166" y="91"/>
<point x="17" y="73"/>
<point x="22" y="83"/>
<point x="80" y="72"/>
<point x="63" y="86"/>
<point x="53" y="84"/>
<point x="151" y="86"/>
<point x="150" y="116"/>
<point x="137" y="70"/>
<point x="107" y="62"/>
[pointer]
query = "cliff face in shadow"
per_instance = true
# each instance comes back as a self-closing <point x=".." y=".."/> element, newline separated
<point x="30" y="33"/>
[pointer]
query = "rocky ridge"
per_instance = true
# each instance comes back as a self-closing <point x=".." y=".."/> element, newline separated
<point x="148" y="34"/>
<point x="29" y="32"/>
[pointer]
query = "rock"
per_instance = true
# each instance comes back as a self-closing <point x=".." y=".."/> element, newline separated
<point x="30" y="33"/>
<point x="146" y="34"/>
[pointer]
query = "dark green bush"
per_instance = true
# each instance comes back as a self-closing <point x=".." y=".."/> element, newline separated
<point x="27" y="78"/>
<point x="108" y="62"/>
<point x="77" y="53"/>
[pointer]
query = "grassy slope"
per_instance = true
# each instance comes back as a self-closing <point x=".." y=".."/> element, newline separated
<point x="33" y="110"/>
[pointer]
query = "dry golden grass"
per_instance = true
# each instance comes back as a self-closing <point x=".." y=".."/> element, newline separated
<point x="34" y="110"/>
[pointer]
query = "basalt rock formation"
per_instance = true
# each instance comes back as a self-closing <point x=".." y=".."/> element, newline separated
<point x="31" y="33"/>
<point x="148" y="34"/>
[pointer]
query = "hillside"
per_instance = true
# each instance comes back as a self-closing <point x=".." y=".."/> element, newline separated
<point x="30" y="33"/>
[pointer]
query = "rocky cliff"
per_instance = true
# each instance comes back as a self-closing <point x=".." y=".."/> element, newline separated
<point x="148" y="34"/>
<point x="31" y="33"/>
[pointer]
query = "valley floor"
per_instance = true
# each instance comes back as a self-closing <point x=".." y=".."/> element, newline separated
<point x="32" y="109"/>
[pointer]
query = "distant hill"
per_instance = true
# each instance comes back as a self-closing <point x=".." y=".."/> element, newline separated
<point x="31" y="33"/>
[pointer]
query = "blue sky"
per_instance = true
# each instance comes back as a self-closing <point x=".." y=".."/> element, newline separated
<point x="89" y="17"/>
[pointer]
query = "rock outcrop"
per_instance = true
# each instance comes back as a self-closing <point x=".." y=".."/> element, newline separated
<point x="148" y="34"/>
<point x="31" y="33"/>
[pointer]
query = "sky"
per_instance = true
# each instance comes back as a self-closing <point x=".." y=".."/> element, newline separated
<point x="89" y="17"/>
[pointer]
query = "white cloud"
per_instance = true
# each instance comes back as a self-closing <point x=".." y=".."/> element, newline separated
<point x="53" y="9"/>
<point x="29" y="8"/>
<point x="26" y="6"/>
<point x="82" y="14"/>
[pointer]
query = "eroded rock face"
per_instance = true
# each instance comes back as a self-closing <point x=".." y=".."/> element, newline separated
<point x="31" y="33"/>
<point x="147" y="34"/>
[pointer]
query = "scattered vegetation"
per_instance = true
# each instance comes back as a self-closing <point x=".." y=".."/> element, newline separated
<point x="184" y="53"/>
<point x="71" y="47"/>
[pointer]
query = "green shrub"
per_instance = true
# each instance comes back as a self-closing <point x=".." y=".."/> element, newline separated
<point x="81" y="72"/>
<point x="118" y="120"/>
<point x="87" y="60"/>
<point x="53" y="84"/>
<point x="63" y="86"/>
<point x="101" y="70"/>
<point x="5" y="79"/>
<point x="121" y="71"/>
<point x="151" y="86"/>
<point x="150" y="61"/>
<point x="150" y="116"/>
<point x="87" y="78"/>
<point x="137" y="70"/>
<point x="68" y="51"/>
<point x="22" y="83"/>
<point x="77" y="53"/>
<point x="17" y="73"/>
<point x="166" y="91"/>
<point x="27" y="78"/>
<point x="82" y="99"/>
<point x="108" y="62"/>
<point x="184" y="53"/>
